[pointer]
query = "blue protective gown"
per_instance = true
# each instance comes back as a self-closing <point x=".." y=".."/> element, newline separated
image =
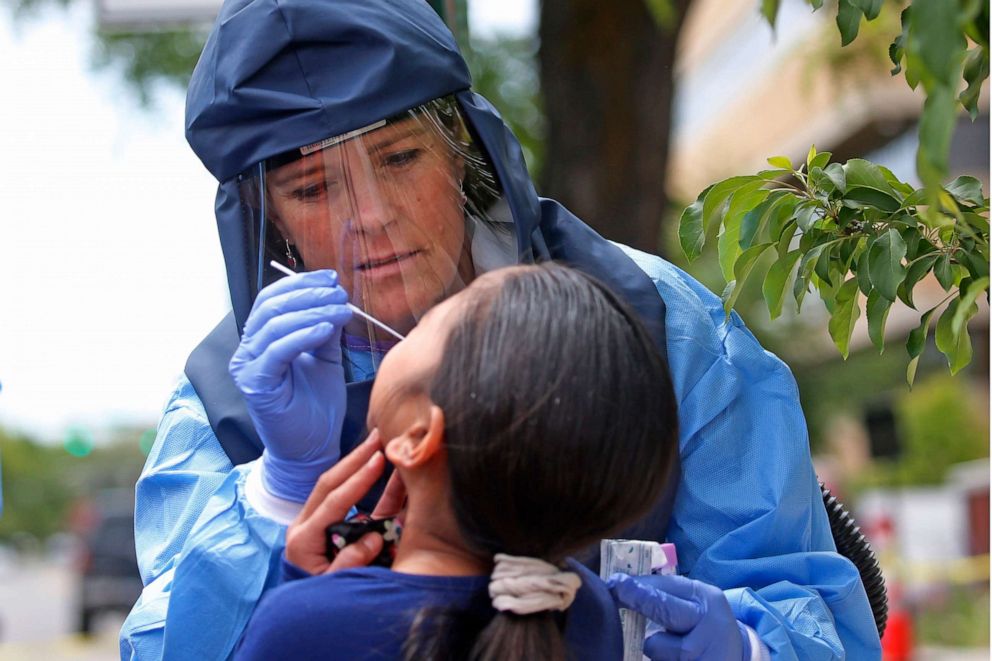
<point x="747" y="514"/>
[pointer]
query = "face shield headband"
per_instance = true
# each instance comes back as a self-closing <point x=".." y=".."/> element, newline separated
<point x="399" y="208"/>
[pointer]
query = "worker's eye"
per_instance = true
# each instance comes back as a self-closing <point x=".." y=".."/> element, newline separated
<point x="314" y="191"/>
<point x="400" y="159"/>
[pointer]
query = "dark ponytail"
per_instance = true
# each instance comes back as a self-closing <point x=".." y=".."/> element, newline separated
<point x="560" y="429"/>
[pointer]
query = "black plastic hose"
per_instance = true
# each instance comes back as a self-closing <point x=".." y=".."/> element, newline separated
<point x="851" y="544"/>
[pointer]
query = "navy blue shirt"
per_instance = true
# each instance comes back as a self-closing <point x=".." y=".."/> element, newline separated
<point x="366" y="613"/>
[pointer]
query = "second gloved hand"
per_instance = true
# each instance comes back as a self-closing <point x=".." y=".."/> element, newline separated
<point x="288" y="368"/>
<point x="697" y="618"/>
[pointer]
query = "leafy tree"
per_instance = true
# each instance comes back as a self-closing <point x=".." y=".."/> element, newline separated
<point x="42" y="482"/>
<point x="854" y="229"/>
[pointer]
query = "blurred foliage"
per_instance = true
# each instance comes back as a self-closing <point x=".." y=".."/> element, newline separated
<point x="36" y="497"/>
<point x="956" y="617"/>
<point x="504" y="70"/>
<point x="145" y="59"/>
<point x="832" y="388"/>
<point x="940" y="425"/>
<point x="149" y="58"/>
<point x="41" y="482"/>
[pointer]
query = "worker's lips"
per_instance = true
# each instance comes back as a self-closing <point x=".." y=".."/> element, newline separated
<point x="385" y="265"/>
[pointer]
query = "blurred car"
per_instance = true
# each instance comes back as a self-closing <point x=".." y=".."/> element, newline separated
<point x="107" y="564"/>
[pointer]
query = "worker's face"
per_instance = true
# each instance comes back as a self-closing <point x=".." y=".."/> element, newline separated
<point x="384" y="210"/>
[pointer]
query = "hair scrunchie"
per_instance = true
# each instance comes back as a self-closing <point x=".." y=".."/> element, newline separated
<point x="524" y="585"/>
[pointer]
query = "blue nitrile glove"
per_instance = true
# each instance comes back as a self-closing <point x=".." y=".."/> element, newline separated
<point x="288" y="368"/>
<point x="696" y="616"/>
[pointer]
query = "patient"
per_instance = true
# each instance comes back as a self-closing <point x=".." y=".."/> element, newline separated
<point x="528" y="417"/>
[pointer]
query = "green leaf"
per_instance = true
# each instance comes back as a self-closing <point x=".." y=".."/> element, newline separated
<point x="919" y="268"/>
<point x="976" y="70"/>
<point x="897" y="49"/>
<point x="800" y="287"/>
<point x="777" y="173"/>
<point x="773" y="288"/>
<point x="769" y="9"/>
<point x="844" y="316"/>
<point x="956" y="346"/>
<point x="937" y="40"/>
<point x="781" y="162"/>
<point x="691" y="235"/>
<point x="806" y="215"/>
<point x="777" y="205"/>
<point x="967" y="300"/>
<point x="977" y="264"/>
<point x="871" y="8"/>
<point x="752" y="221"/>
<point x="898" y="186"/>
<point x="936" y="129"/>
<point x="915" y="198"/>
<point x="728" y="247"/>
<point x="663" y="12"/>
<point x="885" y="267"/>
<point x="864" y="280"/>
<point x="915" y="343"/>
<point x="966" y="190"/>
<point x="848" y="21"/>
<point x="859" y="172"/>
<point x="815" y="4"/>
<point x="742" y="269"/>
<point x="743" y="200"/>
<point x="912" y="237"/>
<point x="918" y="336"/>
<point x="716" y="197"/>
<point x="911" y="371"/>
<point x="945" y="274"/>
<point x="823" y="263"/>
<point x="819" y="161"/>
<point x="821" y="180"/>
<point x="784" y="238"/>
<point x="835" y="171"/>
<point x="871" y="197"/>
<point x="877" y="310"/>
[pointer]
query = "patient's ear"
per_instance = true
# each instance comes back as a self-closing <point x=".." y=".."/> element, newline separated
<point x="420" y="442"/>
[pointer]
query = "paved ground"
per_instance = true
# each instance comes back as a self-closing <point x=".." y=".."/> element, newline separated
<point x="37" y="606"/>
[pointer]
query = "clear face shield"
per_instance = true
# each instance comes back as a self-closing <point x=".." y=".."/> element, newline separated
<point x="392" y="207"/>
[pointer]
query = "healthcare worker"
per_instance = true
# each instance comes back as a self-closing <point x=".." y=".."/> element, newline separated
<point x="348" y="145"/>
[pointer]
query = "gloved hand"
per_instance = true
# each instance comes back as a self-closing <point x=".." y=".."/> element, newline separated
<point x="288" y="368"/>
<point x="696" y="616"/>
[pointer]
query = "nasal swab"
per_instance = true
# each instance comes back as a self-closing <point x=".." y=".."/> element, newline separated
<point x="354" y="308"/>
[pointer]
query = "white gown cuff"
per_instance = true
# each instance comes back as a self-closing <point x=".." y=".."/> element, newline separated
<point x="272" y="507"/>
<point x="759" y="651"/>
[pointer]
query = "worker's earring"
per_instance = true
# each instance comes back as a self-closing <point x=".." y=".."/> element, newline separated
<point x="290" y="255"/>
<point x="464" y="197"/>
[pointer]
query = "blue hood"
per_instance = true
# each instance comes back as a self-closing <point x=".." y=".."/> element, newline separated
<point x="278" y="74"/>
